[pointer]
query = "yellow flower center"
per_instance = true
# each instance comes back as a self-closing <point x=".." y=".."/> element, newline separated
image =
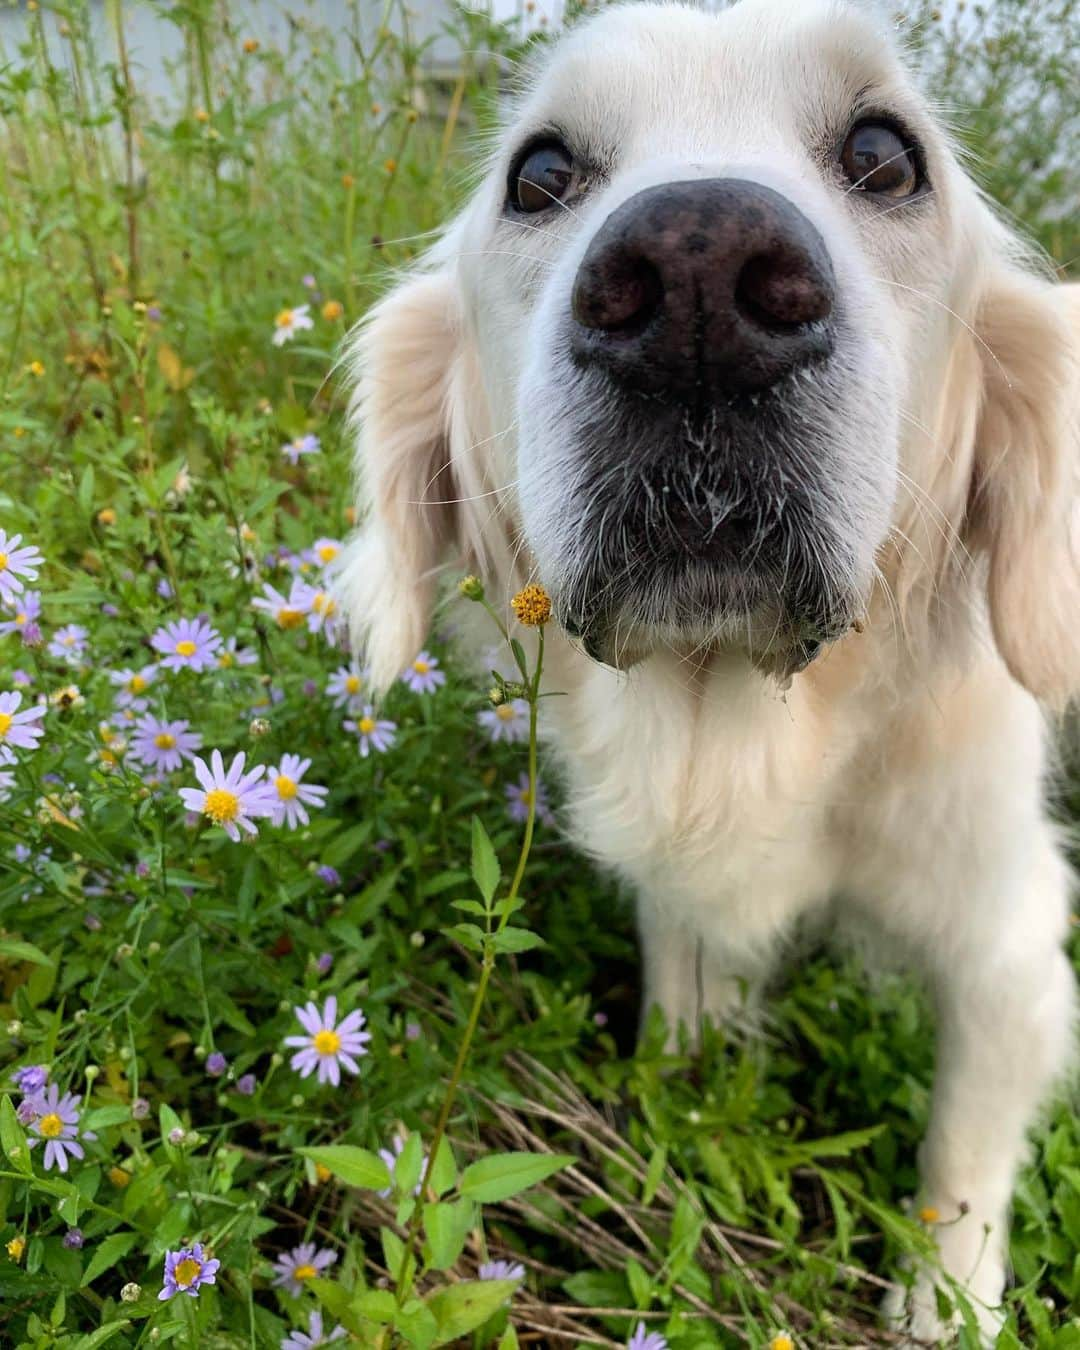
<point x="327" y="552"/>
<point x="366" y="725"/>
<point x="532" y="606"/>
<point x="51" y="1126"/>
<point x="221" y="805"/>
<point x="137" y="684"/>
<point x="323" y="604"/>
<point x="68" y="639"/>
<point x="421" y="667"/>
<point x="304" y="1272"/>
<point x="504" y="712"/>
<point x="352" y="684"/>
<point x="6" y="720"/>
<point x="186" y="1271"/>
<point x="3" y="561"/>
<point x="327" y="1042"/>
<point x="286" y="787"/>
<point x="782" y="1342"/>
<point x="225" y="659"/>
<point x="284" y="319"/>
<point x="164" y="741"/>
<point x="22" y="618"/>
<point x="290" y="618"/>
<point x="186" y="648"/>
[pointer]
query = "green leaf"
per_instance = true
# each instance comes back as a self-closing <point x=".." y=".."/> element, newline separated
<point x="353" y="1166"/>
<point x="13" y="1138"/>
<point x="409" y="1164"/>
<point x="471" y="937"/>
<point x="103" y="1334"/>
<point x="655" y="1175"/>
<point x="24" y="951"/>
<point x="110" y="1250"/>
<point x="416" y="1322"/>
<point x="444" y="1172"/>
<point x="463" y="1307"/>
<point x="508" y="1340"/>
<point x="517" y="940"/>
<point x="485" y="865"/>
<point x="502" y="1175"/>
<point x="393" y="1251"/>
<point x="104" y="1116"/>
<point x="446" y="1227"/>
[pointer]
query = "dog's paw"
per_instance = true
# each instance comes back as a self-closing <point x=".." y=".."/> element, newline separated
<point x="916" y="1314"/>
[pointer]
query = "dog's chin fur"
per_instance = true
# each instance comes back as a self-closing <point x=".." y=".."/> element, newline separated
<point x="905" y="562"/>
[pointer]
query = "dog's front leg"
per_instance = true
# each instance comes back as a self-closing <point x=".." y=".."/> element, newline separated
<point x="686" y="976"/>
<point x="1005" y="998"/>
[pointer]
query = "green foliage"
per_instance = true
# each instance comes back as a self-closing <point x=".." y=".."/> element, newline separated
<point x="500" y="1111"/>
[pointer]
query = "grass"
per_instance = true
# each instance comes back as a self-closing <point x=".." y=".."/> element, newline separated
<point x="721" y="1198"/>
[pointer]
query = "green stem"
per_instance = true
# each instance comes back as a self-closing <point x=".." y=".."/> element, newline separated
<point x="487" y="966"/>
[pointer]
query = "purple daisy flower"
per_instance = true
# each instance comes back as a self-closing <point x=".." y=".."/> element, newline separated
<point x="518" y="798"/>
<point x="372" y="733"/>
<point x="233" y="655"/>
<point x="68" y="643"/>
<point x="501" y="1270"/>
<point x="132" y="684"/>
<point x="18" y="730"/>
<point x="234" y="800"/>
<point x="324" y="551"/>
<point x="293" y="1269"/>
<point x="424" y="675"/>
<point x="293" y="794"/>
<point x="644" y="1339"/>
<point x="187" y="1270"/>
<point x="163" y="746"/>
<point x="314" y="1336"/>
<point x="30" y="1079"/>
<point x="16" y="564"/>
<point x="508" y="722"/>
<point x="186" y="642"/>
<point x="323" y="615"/>
<point x="27" y="612"/>
<point x="327" y="1046"/>
<point x="302" y="445"/>
<point x="56" y="1121"/>
<point x="346" y="686"/>
<point x="287" y="611"/>
<point x="216" y="1064"/>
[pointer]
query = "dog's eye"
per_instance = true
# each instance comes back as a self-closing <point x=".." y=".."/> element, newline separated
<point x="541" y="177"/>
<point x="877" y="158"/>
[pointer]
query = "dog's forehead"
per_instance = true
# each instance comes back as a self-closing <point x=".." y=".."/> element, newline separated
<point x="758" y="67"/>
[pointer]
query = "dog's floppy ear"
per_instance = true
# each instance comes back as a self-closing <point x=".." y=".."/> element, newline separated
<point x="1024" y="507"/>
<point x="417" y="399"/>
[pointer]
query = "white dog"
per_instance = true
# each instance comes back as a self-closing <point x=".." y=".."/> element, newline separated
<point x="729" y="353"/>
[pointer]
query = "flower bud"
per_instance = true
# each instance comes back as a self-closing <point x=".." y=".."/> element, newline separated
<point x="472" y="588"/>
<point x="131" y="1293"/>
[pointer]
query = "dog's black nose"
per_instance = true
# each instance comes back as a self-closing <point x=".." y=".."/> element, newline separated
<point x="704" y="288"/>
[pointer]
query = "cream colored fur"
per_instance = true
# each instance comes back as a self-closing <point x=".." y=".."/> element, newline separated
<point x="900" y="783"/>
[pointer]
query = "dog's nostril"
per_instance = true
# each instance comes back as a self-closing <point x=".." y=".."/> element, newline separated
<point x="776" y="291"/>
<point x="621" y="298"/>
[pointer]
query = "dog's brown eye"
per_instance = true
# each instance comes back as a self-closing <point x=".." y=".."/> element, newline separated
<point x="876" y="158"/>
<point x="542" y="177"/>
